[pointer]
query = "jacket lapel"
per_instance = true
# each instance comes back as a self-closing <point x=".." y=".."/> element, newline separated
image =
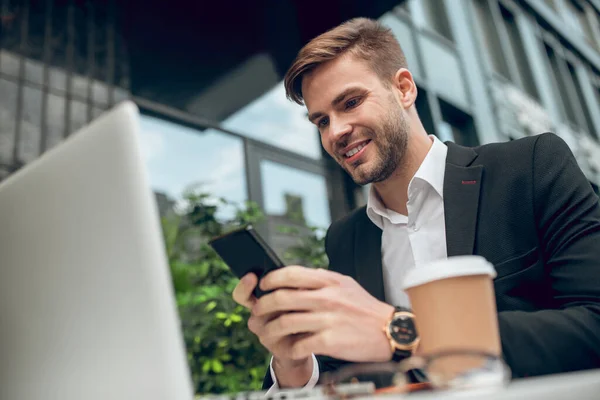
<point x="367" y="257"/>
<point x="462" y="184"/>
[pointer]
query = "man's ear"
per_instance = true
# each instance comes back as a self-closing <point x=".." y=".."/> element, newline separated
<point x="406" y="88"/>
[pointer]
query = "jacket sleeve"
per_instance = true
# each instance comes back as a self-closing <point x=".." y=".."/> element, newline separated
<point x="565" y="337"/>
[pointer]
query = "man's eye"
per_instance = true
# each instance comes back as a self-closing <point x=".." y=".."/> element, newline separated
<point x="352" y="103"/>
<point x="323" y="122"/>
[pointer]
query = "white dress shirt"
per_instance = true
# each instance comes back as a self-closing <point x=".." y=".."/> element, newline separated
<point x="407" y="241"/>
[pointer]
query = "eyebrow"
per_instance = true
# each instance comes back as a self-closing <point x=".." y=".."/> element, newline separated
<point x="339" y="98"/>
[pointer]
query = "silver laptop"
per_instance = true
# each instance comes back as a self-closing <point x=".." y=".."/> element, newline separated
<point x="87" y="310"/>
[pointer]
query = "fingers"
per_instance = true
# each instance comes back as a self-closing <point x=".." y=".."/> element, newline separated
<point x="281" y="335"/>
<point x="296" y="323"/>
<point x="286" y="300"/>
<point x="298" y="277"/>
<point x="242" y="294"/>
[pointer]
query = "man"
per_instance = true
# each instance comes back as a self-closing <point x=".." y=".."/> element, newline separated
<point x="524" y="205"/>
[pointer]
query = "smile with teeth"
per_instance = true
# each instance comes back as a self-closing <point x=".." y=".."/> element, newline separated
<point x="355" y="150"/>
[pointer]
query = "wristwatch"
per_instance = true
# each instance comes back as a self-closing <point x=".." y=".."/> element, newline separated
<point x="402" y="333"/>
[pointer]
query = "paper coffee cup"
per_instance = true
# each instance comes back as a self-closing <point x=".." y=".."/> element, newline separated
<point x="454" y="304"/>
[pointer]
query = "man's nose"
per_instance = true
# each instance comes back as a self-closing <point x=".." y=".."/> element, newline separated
<point x="339" y="128"/>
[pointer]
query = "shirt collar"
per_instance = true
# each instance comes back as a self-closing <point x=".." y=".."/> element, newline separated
<point x="431" y="170"/>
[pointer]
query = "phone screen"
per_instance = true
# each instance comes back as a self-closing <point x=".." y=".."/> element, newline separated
<point x="245" y="251"/>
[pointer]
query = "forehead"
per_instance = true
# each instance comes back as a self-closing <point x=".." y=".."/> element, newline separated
<point x="328" y="80"/>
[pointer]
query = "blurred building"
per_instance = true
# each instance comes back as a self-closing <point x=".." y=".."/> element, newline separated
<point x="207" y="77"/>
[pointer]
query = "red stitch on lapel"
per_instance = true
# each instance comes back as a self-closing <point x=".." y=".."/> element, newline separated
<point x="469" y="182"/>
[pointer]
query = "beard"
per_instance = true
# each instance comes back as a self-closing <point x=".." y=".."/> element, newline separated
<point x="390" y="142"/>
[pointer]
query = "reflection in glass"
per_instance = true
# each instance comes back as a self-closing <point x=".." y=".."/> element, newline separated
<point x="30" y="135"/>
<point x="294" y="202"/>
<point x="178" y="157"/>
<point x="274" y="119"/>
<point x="8" y="111"/>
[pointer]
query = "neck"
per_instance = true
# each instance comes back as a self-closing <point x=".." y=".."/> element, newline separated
<point x="393" y="192"/>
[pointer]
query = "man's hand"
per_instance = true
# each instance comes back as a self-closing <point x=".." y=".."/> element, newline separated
<point x="290" y="372"/>
<point x="317" y="311"/>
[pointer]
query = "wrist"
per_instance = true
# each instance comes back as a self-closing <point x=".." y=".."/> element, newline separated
<point x="292" y="373"/>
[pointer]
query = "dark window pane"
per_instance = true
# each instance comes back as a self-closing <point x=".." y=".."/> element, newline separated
<point x="30" y="135"/>
<point x="561" y="85"/>
<point x="588" y="123"/>
<point x="437" y="18"/>
<point x="78" y="115"/>
<point x="457" y="126"/>
<point x="8" y="111"/>
<point x="490" y="41"/>
<point x="55" y="120"/>
<point x="519" y="51"/>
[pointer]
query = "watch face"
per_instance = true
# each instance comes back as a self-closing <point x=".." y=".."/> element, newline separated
<point x="402" y="329"/>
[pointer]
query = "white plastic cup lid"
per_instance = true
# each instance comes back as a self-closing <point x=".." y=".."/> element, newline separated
<point x="448" y="268"/>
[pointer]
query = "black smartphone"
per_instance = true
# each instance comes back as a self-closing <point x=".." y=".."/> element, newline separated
<point x="244" y="251"/>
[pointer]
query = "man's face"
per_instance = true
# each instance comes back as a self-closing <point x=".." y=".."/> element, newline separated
<point x="362" y="125"/>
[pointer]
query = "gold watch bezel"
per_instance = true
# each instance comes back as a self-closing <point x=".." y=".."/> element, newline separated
<point x="395" y="345"/>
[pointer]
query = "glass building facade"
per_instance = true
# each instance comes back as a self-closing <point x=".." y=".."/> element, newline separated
<point x="491" y="70"/>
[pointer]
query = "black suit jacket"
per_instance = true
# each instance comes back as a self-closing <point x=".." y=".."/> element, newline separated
<point x="528" y="209"/>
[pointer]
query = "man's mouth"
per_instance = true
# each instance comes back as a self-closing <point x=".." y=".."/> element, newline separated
<point x="354" y="152"/>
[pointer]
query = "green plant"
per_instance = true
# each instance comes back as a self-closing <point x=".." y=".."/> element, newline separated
<point x="224" y="356"/>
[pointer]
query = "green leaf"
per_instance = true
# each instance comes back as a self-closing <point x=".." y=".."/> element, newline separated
<point x="217" y="366"/>
<point x="235" y="318"/>
<point x="206" y="366"/>
<point x="221" y="315"/>
<point x="210" y="306"/>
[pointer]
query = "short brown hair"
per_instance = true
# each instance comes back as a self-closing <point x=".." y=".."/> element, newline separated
<point x="364" y="38"/>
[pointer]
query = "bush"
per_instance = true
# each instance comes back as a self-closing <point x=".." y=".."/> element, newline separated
<point x="223" y="355"/>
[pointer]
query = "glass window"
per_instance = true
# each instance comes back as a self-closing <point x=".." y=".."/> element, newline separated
<point x="437" y="18"/>
<point x="34" y="71"/>
<point x="274" y="119"/>
<point x="100" y="93"/>
<point x="9" y="63"/>
<point x="8" y="111"/>
<point x="576" y="18"/>
<point x="55" y="120"/>
<point x="30" y="135"/>
<point x="561" y="86"/>
<point x="292" y="199"/>
<point x="179" y="157"/>
<point x="79" y="116"/>
<point x="490" y="39"/>
<point x="80" y="86"/>
<point x="456" y="126"/>
<point x="587" y="117"/>
<point x="58" y="79"/>
<point x="514" y="36"/>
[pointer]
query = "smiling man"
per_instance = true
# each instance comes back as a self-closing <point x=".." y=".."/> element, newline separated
<point x="524" y="205"/>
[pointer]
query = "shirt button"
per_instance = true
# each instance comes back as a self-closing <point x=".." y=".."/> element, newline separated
<point x="415" y="228"/>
